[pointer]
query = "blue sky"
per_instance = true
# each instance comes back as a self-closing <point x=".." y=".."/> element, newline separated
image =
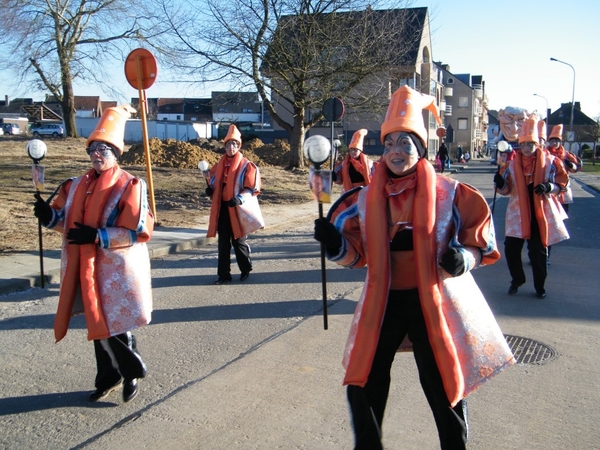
<point x="509" y="43"/>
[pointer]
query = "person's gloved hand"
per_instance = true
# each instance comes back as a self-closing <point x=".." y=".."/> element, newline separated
<point x="83" y="234"/>
<point x="499" y="181"/>
<point x="42" y="210"/>
<point x="569" y="164"/>
<point x="235" y="201"/>
<point x="328" y="234"/>
<point x="209" y="191"/>
<point x="543" y="188"/>
<point x="453" y="262"/>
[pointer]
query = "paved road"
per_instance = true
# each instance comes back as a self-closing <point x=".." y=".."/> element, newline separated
<point x="249" y="365"/>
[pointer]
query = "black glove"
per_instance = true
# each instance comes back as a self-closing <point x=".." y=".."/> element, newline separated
<point x="235" y="201"/>
<point x="42" y="210"/>
<point x="333" y="176"/>
<point x="499" y="181"/>
<point x="543" y="188"/>
<point x="83" y="234"/>
<point x="453" y="262"/>
<point x="328" y="234"/>
<point x="209" y="191"/>
<point x="569" y="164"/>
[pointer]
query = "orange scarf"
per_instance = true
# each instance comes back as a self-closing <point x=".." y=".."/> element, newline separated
<point x="377" y="289"/>
<point x="558" y="152"/>
<point x="523" y="194"/>
<point x="219" y="195"/>
<point x="361" y="165"/>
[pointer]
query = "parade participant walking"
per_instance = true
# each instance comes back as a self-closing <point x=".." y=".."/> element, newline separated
<point x="532" y="179"/>
<point x="443" y="155"/>
<point x="233" y="186"/>
<point x="106" y="221"/>
<point x="356" y="169"/>
<point x="419" y="234"/>
<point x="571" y="163"/>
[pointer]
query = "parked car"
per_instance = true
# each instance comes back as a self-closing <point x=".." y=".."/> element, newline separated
<point x="48" y="129"/>
<point x="11" y="128"/>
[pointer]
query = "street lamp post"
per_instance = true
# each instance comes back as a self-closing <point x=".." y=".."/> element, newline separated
<point x="547" y="109"/>
<point x="572" y="96"/>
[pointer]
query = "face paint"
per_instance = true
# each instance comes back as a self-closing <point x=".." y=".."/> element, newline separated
<point x="400" y="152"/>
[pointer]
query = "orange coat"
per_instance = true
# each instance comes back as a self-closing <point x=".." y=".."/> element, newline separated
<point x="110" y="281"/>
<point x="229" y="178"/>
<point x="468" y="345"/>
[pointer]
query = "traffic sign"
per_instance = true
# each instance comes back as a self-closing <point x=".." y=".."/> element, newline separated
<point x="141" y="69"/>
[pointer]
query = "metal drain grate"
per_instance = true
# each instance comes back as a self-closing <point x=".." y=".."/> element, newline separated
<point x="528" y="351"/>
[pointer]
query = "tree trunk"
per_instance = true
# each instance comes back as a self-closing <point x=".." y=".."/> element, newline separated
<point x="68" y="103"/>
<point x="297" y="140"/>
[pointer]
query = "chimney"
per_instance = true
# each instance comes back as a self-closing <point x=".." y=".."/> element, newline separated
<point x="6" y="100"/>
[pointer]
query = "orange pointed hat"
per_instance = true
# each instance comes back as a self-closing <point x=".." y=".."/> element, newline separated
<point x="557" y="132"/>
<point x="111" y="127"/>
<point x="542" y="130"/>
<point x="233" y="134"/>
<point x="529" y="130"/>
<point x="405" y="113"/>
<point x="357" y="139"/>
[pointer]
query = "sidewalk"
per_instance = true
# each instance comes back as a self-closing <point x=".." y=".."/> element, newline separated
<point x="22" y="271"/>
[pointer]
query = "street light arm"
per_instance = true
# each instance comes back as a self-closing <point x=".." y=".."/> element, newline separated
<point x="573" y="94"/>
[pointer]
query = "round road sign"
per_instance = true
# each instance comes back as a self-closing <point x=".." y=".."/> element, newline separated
<point x="141" y="68"/>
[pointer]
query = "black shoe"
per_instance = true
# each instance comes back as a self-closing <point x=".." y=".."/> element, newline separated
<point x="244" y="276"/>
<point x="99" y="394"/>
<point x="541" y="294"/>
<point x="222" y="280"/>
<point x="130" y="390"/>
<point x="513" y="289"/>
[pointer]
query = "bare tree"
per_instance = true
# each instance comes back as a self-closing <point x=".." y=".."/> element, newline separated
<point x="298" y="53"/>
<point x="59" y="41"/>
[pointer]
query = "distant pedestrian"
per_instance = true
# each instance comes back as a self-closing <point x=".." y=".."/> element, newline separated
<point x="459" y="154"/>
<point x="356" y="169"/>
<point x="234" y="184"/>
<point x="532" y="179"/>
<point x="443" y="156"/>
<point x="106" y="222"/>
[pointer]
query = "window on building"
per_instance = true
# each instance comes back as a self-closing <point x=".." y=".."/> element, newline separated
<point x="247" y="110"/>
<point x="178" y="117"/>
<point x="450" y="80"/>
<point x="223" y="110"/>
<point x="463" y="124"/>
<point x="463" y="102"/>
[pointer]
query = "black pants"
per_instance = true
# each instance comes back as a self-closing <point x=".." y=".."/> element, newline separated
<point x="117" y="357"/>
<point x="538" y="255"/>
<point x="226" y="241"/>
<point x="404" y="316"/>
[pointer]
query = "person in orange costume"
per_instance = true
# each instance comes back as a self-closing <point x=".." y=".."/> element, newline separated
<point x="420" y="234"/>
<point x="571" y="163"/>
<point x="532" y="179"/>
<point x="232" y="181"/>
<point x="106" y="221"/>
<point x="356" y="169"/>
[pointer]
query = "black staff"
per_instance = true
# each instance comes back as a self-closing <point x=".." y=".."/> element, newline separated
<point x="36" y="150"/>
<point x="317" y="150"/>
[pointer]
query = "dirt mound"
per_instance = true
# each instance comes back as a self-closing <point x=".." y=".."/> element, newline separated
<point x="186" y="155"/>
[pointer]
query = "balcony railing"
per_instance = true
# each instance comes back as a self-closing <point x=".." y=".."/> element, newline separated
<point x="448" y="91"/>
<point x="448" y="110"/>
<point x="478" y="90"/>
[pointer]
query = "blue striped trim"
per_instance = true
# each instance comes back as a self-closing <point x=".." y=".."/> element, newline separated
<point x="103" y="238"/>
<point x="56" y="217"/>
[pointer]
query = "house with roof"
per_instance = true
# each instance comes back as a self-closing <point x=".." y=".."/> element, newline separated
<point x="585" y="129"/>
<point x="415" y="69"/>
<point x="465" y="110"/>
